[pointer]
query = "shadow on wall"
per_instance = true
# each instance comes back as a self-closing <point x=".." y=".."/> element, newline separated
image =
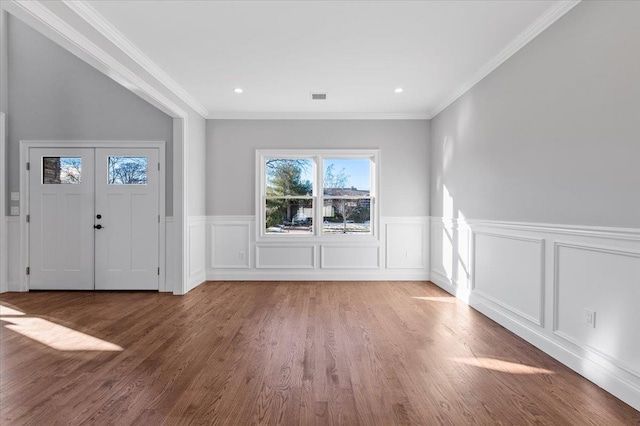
<point x="451" y="241"/>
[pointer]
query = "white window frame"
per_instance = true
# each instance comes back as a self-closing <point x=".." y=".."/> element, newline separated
<point x="317" y="156"/>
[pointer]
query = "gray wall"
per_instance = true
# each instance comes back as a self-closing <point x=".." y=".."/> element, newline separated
<point x="552" y="135"/>
<point x="196" y="172"/>
<point x="55" y="95"/>
<point x="404" y="158"/>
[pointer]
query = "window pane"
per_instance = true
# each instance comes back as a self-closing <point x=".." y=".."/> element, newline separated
<point x="128" y="170"/>
<point x="346" y="216"/>
<point x="289" y="215"/>
<point x="289" y="176"/>
<point x="61" y="170"/>
<point x="347" y="176"/>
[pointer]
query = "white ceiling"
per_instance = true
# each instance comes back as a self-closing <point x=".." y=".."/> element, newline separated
<point x="356" y="51"/>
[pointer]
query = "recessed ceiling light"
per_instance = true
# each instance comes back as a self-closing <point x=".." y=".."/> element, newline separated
<point x="399" y="90"/>
<point x="238" y="90"/>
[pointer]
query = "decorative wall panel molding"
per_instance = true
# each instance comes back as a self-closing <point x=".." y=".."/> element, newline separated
<point x="235" y="253"/>
<point x="170" y="256"/>
<point x="349" y="257"/>
<point x="509" y="271"/>
<point x="196" y="251"/>
<point x="405" y="244"/>
<point x="539" y="281"/>
<point x="585" y="278"/>
<point x="230" y="244"/>
<point x="286" y="256"/>
<point x="13" y="255"/>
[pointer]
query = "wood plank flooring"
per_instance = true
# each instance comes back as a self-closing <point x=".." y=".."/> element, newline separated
<point x="242" y="353"/>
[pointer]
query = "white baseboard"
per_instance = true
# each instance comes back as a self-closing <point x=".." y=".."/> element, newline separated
<point x="443" y="282"/>
<point x="342" y="275"/>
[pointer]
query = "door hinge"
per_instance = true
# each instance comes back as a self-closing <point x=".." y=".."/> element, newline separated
<point x="158" y="166"/>
<point x="28" y="270"/>
<point x="158" y="270"/>
<point x="28" y="218"/>
<point x="158" y="218"/>
<point x="28" y="166"/>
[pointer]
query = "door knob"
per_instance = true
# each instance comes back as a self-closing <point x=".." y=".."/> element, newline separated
<point x="99" y="216"/>
<point x="97" y="226"/>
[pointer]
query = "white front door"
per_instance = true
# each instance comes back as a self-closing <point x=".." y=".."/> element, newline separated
<point x="61" y="235"/>
<point x="93" y="219"/>
<point x="127" y="203"/>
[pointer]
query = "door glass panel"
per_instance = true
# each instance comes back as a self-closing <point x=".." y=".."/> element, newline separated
<point x="128" y="170"/>
<point x="61" y="170"/>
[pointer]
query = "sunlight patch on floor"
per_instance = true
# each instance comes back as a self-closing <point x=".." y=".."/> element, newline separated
<point x="502" y="366"/>
<point x="54" y="335"/>
<point x="5" y="310"/>
<point x="448" y="299"/>
<point x="57" y="336"/>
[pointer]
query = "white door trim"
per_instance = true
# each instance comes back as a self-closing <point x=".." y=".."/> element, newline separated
<point x="4" y="264"/>
<point x="25" y="145"/>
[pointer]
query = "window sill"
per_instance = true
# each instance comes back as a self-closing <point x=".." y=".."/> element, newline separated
<point x="318" y="239"/>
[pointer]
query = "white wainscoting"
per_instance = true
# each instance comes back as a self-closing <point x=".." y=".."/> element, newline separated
<point x="285" y="256"/>
<point x="230" y="243"/>
<point x="400" y="253"/>
<point x="537" y="280"/>
<point x="13" y="254"/>
<point x="169" y="256"/>
<point x="352" y="257"/>
<point x="407" y="243"/>
<point x="519" y="290"/>
<point x="196" y="246"/>
<point x="587" y="276"/>
<point x="450" y="263"/>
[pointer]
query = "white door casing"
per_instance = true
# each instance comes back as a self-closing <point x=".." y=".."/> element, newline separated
<point x="61" y="236"/>
<point x="127" y="245"/>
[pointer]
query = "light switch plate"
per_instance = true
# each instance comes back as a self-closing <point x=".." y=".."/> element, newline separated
<point x="15" y="211"/>
<point x="15" y="196"/>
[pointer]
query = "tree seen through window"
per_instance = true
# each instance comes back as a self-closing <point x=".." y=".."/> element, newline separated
<point x="345" y="196"/>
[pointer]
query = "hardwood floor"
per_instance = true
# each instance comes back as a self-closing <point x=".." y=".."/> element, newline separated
<point x="368" y="353"/>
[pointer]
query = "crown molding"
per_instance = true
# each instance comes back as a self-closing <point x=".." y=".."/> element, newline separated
<point x="552" y="14"/>
<point x="315" y="116"/>
<point x="55" y="28"/>
<point x="84" y="10"/>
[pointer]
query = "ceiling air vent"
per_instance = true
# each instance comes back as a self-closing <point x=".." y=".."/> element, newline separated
<point x="318" y="96"/>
